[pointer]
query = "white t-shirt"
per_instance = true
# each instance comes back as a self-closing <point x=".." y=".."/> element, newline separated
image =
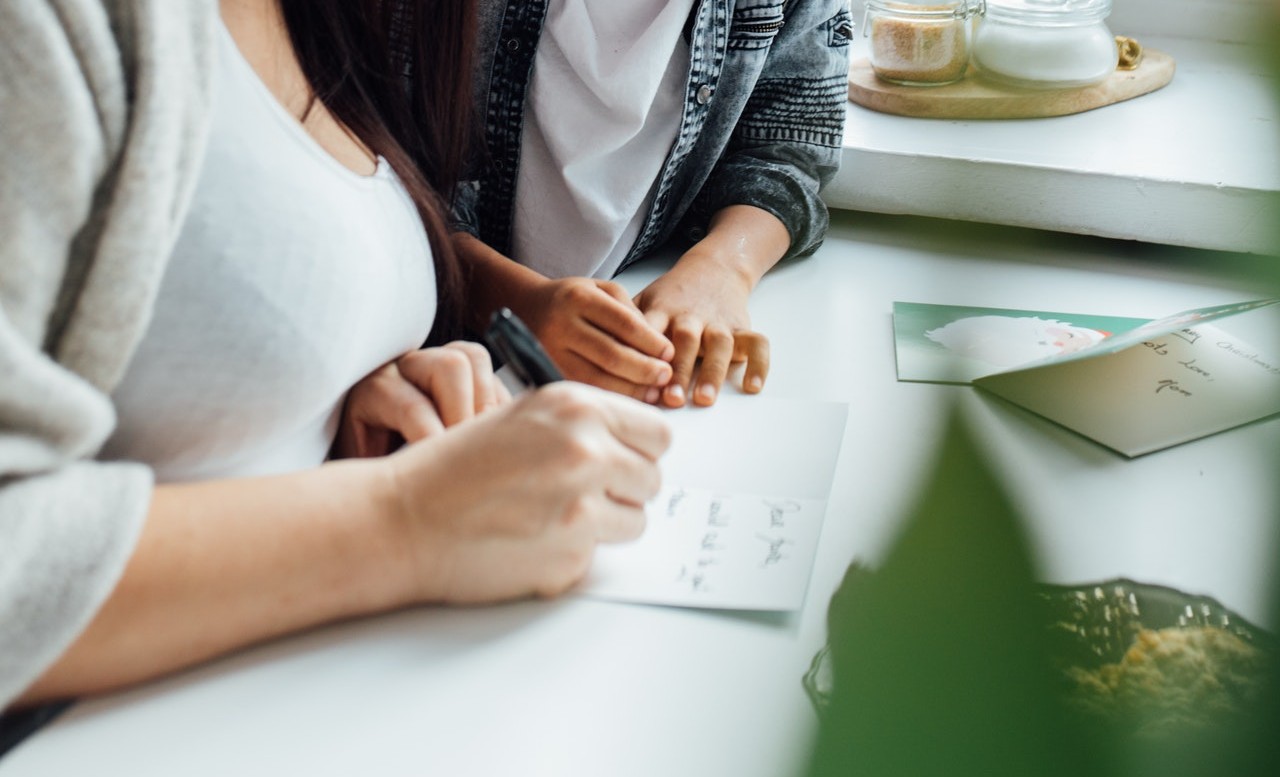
<point x="293" y="277"/>
<point x="601" y="115"/>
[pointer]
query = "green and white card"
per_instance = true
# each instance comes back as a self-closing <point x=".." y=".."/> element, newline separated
<point x="1135" y="386"/>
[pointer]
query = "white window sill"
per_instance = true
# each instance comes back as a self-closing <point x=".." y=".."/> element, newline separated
<point x="1196" y="163"/>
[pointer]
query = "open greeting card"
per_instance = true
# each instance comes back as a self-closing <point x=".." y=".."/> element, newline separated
<point x="1136" y="386"/>
<point x="736" y="526"/>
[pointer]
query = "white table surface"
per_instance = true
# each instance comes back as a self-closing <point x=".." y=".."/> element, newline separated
<point x="579" y="687"/>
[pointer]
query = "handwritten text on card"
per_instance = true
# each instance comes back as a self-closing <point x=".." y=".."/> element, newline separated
<point x="715" y="549"/>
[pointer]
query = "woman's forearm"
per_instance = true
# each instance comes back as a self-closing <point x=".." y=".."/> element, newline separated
<point x="508" y="505"/>
<point x="224" y="564"/>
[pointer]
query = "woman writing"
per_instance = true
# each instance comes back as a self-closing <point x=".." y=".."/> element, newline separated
<point x="218" y="217"/>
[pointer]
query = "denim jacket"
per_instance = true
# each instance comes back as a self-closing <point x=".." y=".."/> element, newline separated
<point x="762" y="123"/>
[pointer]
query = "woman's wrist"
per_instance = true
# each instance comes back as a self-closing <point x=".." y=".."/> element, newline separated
<point x="394" y="568"/>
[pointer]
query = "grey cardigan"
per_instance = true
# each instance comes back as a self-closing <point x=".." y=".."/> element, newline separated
<point x="103" y="113"/>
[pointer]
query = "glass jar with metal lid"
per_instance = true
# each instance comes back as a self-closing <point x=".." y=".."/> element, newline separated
<point x="920" y="42"/>
<point x="1045" y="43"/>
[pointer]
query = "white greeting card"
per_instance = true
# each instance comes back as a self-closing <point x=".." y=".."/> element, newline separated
<point x="1147" y="387"/>
<point x="737" y="523"/>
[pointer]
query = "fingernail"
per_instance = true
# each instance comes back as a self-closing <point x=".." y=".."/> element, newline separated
<point x="755" y="384"/>
<point x="652" y="394"/>
<point x="707" y="393"/>
<point x="676" y="392"/>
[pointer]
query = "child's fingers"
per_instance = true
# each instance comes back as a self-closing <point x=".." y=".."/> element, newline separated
<point x="586" y="371"/>
<point x="718" y="350"/>
<point x="615" y="290"/>
<point x="617" y="358"/>
<point x="686" y="336"/>
<point x="612" y="311"/>
<point x="717" y="353"/>
<point x="658" y="319"/>
<point x="753" y="348"/>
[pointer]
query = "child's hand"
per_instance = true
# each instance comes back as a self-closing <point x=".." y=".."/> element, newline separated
<point x="418" y="395"/>
<point x="595" y="334"/>
<point x="701" y="304"/>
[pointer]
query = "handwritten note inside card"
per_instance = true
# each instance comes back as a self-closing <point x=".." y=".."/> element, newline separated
<point x="1135" y="386"/>
<point x="709" y="549"/>
<point x="1168" y="389"/>
<point x="736" y="525"/>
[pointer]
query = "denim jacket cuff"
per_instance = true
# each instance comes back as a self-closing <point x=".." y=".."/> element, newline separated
<point x="773" y="188"/>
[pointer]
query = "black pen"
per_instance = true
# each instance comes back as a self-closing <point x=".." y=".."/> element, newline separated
<point x="516" y="346"/>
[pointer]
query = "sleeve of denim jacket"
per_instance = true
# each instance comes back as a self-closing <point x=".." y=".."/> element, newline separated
<point x="463" y="216"/>
<point x="786" y="145"/>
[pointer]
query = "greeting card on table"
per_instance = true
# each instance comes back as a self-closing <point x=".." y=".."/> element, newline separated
<point x="736" y="526"/>
<point x="1135" y="386"/>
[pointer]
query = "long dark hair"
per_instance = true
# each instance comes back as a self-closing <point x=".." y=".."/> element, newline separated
<point x="397" y="74"/>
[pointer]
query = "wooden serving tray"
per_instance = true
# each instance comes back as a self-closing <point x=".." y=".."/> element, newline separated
<point x="975" y="97"/>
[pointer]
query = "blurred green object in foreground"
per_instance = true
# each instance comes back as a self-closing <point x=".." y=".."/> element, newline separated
<point x="943" y="662"/>
<point x="940" y="658"/>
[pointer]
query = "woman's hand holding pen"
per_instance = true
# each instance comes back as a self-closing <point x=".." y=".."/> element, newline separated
<point x="416" y="396"/>
<point x="510" y="504"/>
<point x="531" y="487"/>
<point x="529" y="490"/>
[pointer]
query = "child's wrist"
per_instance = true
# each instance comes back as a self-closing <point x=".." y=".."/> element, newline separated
<point x="721" y="260"/>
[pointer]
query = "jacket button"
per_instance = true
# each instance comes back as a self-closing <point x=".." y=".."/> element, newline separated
<point x="513" y="45"/>
<point x="697" y="233"/>
<point x="704" y="94"/>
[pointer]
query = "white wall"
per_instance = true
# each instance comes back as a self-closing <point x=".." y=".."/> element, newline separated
<point x="1222" y="20"/>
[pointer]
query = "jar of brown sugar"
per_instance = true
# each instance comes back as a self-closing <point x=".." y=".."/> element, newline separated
<point x="920" y="42"/>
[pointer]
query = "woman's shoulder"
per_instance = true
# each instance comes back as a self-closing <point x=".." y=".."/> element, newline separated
<point x="94" y="94"/>
<point x="96" y="26"/>
<point x="102" y="51"/>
